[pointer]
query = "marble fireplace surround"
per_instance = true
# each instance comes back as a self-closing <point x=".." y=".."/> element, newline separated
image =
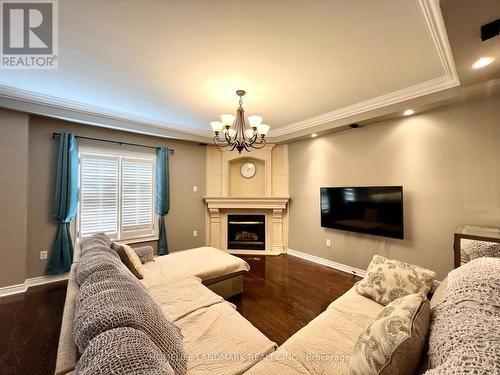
<point x="267" y="193"/>
<point x="274" y="208"/>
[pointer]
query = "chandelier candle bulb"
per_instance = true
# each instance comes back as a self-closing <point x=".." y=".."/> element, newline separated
<point x="263" y="129"/>
<point x="236" y="134"/>
<point x="254" y="121"/>
<point x="227" y="120"/>
<point x="217" y="126"/>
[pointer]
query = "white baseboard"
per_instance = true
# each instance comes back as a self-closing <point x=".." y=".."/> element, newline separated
<point x="40" y="280"/>
<point x="328" y="263"/>
<point x="28" y="283"/>
<point x="12" y="289"/>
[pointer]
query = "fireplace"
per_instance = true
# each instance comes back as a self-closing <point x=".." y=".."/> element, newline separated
<point x="246" y="232"/>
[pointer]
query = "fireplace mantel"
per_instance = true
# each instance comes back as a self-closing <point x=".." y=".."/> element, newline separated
<point x="227" y="192"/>
<point x="266" y="203"/>
<point x="275" y="209"/>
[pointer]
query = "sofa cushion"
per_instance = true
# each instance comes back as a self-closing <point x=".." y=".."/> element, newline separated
<point x="203" y="262"/>
<point x="438" y="295"/>
<point x="393" y="343"/>
<point x="110" y="299"/>
<point x="218" y="340"/>
<point x="129" y="258"/>
<point x="325" y="344"/>
<point x="477" y="249"/>
<point x="464" y="335"/>
<point x="387" y="280"/>
<point x="125" y="351"/>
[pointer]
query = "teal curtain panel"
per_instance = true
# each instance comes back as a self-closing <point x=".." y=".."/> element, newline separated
<point x="162" y="196"/>
<point x="65" y="204"/>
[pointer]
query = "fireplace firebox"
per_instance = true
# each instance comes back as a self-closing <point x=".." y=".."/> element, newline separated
<point x="246" y="232"/>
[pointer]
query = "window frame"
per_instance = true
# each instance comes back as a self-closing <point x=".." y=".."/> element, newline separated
<point x="121" y="152"/>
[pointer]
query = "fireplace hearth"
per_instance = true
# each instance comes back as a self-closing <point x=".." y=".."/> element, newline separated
<point x="246" y="232"/>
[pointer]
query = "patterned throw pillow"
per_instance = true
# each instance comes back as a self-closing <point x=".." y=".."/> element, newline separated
<point x="145" y="253"/>
<point x="129" y="258"/>
<point x="478" y="249"/>
<point x="394" y="341"/>
<point x="123" y="350"/>
<point x="387" y="280"/>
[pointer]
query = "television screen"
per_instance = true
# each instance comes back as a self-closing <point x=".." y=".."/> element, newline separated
<point x="371" y="210"/>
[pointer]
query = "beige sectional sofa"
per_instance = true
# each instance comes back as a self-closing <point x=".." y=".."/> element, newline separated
<point x="211" y="326"/>
<point x="218" y="340"/>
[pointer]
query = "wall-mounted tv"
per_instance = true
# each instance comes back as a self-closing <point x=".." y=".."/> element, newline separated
<point x="376" y="210"/>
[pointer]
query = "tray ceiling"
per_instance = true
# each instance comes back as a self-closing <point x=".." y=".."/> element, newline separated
<point x="176" y="64"/>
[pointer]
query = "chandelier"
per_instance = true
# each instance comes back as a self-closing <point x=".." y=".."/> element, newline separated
<point x="233" y="132"/>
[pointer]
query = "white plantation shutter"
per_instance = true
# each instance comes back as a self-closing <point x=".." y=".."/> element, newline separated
<point x="99" y="195"/>
<point x="117" y="192"/>
<point x="137" y="197"/>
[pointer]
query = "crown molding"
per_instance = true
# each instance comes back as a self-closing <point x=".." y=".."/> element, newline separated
<point x="431" y="13"/>
<point x="50" y="106"/>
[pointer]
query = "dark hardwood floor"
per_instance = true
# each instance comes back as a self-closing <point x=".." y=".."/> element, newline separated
<point x="282" y="294"/>
<point x="29" y="330"/>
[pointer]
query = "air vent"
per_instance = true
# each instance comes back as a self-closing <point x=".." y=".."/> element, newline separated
<point x="490" y="30"/>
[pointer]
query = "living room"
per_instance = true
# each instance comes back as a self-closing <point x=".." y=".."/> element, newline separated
<point x="273" y="185"/>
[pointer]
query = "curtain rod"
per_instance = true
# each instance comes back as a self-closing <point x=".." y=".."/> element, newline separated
<point x="54" y="135"/>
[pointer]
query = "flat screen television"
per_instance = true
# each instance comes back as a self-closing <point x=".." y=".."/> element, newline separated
<point x="376" y="210"/>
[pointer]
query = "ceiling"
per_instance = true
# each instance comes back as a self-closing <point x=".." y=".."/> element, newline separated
<point x="175" y="65"/>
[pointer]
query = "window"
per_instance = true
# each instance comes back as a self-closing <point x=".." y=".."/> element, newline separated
<point x="117" y="191"/>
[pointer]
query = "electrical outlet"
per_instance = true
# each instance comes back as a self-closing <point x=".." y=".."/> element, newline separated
<point x="43" y="254"/>
<point x="195" y="233"/>
<point x="195" y="188"/>
<point x="328" y="242"/>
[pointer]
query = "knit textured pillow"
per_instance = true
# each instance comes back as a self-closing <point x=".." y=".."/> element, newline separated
<point x="145" y="253"/>
<point x="387" y="280"/>
<point x="129" y="258"/>
<point x="478" y="249"/>
<point x="464" y="336"/>
<point x="95" y="240"/>
<point x="394" y="341"/>
<point x="111" y="299"/>
<point x="97" y="259"/>
<point x="125" y="351"/>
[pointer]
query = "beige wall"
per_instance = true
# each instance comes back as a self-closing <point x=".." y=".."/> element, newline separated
<point x="14" y="127"/>
<point x="187" y="169"/>
<point x="448" y="161"/>
<point x="27" y="173"/>
<point x="240" y="186"/>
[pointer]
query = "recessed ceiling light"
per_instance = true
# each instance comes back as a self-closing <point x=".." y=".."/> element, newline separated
<point x="314" y="135"/>
<point x="408" y="112"/>
<point x="482" y="62"/>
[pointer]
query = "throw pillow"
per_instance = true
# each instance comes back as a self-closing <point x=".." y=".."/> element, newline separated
<point x="394" y="341"/>
<point x="96" y="261"/>
<point x="129" y="258"/>
<point x="478" y="249"/>
<point x="123" y="350"/>
<point x="145" y="253"/>
<point x="387" y="280"/>
<point x="97" y="239"/>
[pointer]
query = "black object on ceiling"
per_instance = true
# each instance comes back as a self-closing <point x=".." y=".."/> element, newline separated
<point x="354" y="126"/>
<point x="490" y="30"/>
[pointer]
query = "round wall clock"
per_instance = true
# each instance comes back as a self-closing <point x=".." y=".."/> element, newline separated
<point x="248" y="170"/>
